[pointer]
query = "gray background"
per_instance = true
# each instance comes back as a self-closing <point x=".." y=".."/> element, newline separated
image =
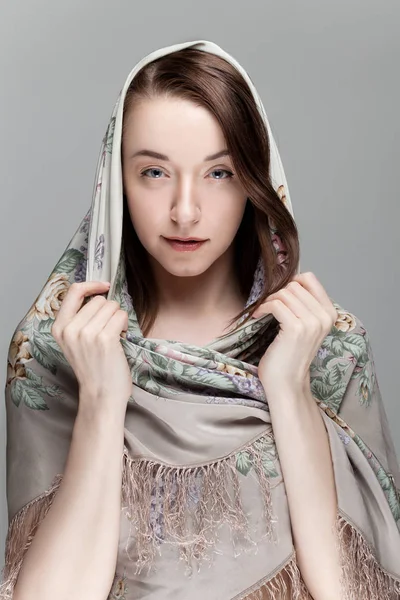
<point x="328" y="77"/>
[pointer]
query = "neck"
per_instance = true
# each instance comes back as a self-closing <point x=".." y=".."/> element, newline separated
<point x="214" y="292"/>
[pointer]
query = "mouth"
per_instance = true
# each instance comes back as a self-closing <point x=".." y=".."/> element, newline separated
<point x="185" y="244"/>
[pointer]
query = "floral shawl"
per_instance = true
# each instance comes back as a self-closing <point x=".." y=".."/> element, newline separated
<point x="204" y="511"/>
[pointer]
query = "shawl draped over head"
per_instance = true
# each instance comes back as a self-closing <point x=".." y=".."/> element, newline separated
<point x="204" y="511"/>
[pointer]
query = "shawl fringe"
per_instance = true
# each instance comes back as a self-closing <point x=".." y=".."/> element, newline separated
<point x="362" y="575"/>
<point x="286" y="584"/>
<point x="20" y="534"/>
<point x="185" y="506"/>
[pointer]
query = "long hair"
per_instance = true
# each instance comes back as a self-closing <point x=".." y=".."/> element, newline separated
<point x="213" y="83"/>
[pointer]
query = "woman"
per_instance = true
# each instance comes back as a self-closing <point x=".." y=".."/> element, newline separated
<point x="257" y="460"/>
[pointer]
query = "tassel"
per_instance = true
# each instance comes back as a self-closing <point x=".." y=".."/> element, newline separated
<point x="286" y="584"/>
<point x="362" y="575"/>
<point x="185" y="506"/>
<point x="20" y="534"/>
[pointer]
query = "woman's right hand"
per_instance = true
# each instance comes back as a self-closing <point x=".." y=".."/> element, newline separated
<point x="90" y="340"/>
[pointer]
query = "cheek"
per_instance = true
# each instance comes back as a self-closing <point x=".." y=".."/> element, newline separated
<point x="145" y="220"/>
<point x="227" y="216"/>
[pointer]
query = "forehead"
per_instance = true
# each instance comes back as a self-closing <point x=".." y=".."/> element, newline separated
<point x="172" y="122"/>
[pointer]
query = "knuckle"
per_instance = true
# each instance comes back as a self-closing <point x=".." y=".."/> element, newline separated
<point x="315" y="322"/>
<point x="69" y="332"/>
<point x="86" y="333"/>
<point x="114" y="303"/>
<point x="103" y="337"/>
<point x="74" y="287"/>
<point x="298" y="327"/>
<point x="319" y="324"/>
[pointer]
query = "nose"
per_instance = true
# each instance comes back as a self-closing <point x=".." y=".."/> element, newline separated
<point x="185" y="209"/>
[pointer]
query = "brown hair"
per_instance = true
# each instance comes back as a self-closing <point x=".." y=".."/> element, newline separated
<point x="211" y="82"/>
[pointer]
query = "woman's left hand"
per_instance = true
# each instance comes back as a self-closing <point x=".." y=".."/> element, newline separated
<point x="306" y="316"/>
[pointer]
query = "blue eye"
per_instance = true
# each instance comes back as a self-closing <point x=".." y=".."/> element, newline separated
<point x="229" y="174"/>
<point x="142" y="174"/>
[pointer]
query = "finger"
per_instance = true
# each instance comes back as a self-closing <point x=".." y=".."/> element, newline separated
<point x="313" y="285"/>
<point x="96" y="319"/>
<point x="297" y="306"/>
<point x="281" y="312"/>
<point x="74" y="299"/>
<point x="302" y="308"/>
<point x="117" y="323"/>
<point x="296" y="290"/>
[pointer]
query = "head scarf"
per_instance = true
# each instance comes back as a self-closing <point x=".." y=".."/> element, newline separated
<point x="204" y="510"/>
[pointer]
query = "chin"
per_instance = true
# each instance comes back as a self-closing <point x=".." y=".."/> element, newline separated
<point x="192" y="268"/>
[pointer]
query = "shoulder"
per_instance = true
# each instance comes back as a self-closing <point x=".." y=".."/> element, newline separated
<point x="349" y="336"/>
<point x="344" y="357"/>
<point x="347" y="322"/>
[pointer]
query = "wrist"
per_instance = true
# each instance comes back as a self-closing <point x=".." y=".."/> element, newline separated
<point x="99" y="412"/>
<point x="287" y="393"/>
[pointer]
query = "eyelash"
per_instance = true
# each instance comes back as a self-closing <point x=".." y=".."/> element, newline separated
<point x="230" y="174"/>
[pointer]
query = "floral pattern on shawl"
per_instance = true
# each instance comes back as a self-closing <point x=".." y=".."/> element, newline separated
<point x="344" y="355"/>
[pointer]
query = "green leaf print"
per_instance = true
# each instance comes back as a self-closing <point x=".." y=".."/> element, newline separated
<point x="68" y="261"/>
<point x="383" y="479"/>
<point x="176" y="368"/>
<point x="53" y="390"/>
<point x="48" y="350"/>
<point x="108" y="138"/>
<point x="390" y="491"/>
<point x="386" y="483"/>
<point x="355" y="344"/>
<point x="336" y="347"/>
<point x="20" y="390"/>
<point x="243" y="462"/>
<point x="45" y="325"/>
<point x="43" y="360"/>
<point x="331" y="395"/>
<point x="269" y="468"/>
<point x="210" y="379"/>
<point x="141" y="376"/>
<point x="320" y="389"/>
<point x="268" y="462"/>
<point x="36" y="379"/>
<point x="394" y="503"/>
<point x="267" y="449"/>
<point x="152" y="386"/>
<point x="268" y="456"/>
<point x="131" y="352"/>
<point x="160" y="361"/>
<point x="364" y="391"/>
<point x="334" y="375"/>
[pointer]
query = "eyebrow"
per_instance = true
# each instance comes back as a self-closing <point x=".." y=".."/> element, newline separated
<point x="153" y="154"/>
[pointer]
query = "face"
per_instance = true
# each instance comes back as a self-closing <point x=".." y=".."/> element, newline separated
<point x="175" y="187"/>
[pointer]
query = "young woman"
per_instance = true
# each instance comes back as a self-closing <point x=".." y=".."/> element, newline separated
<point x="210" y="423"/>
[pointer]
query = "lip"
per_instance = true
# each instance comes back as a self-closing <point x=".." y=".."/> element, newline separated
<point x="190" y="239"/>
<point x="185" y="244"/>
